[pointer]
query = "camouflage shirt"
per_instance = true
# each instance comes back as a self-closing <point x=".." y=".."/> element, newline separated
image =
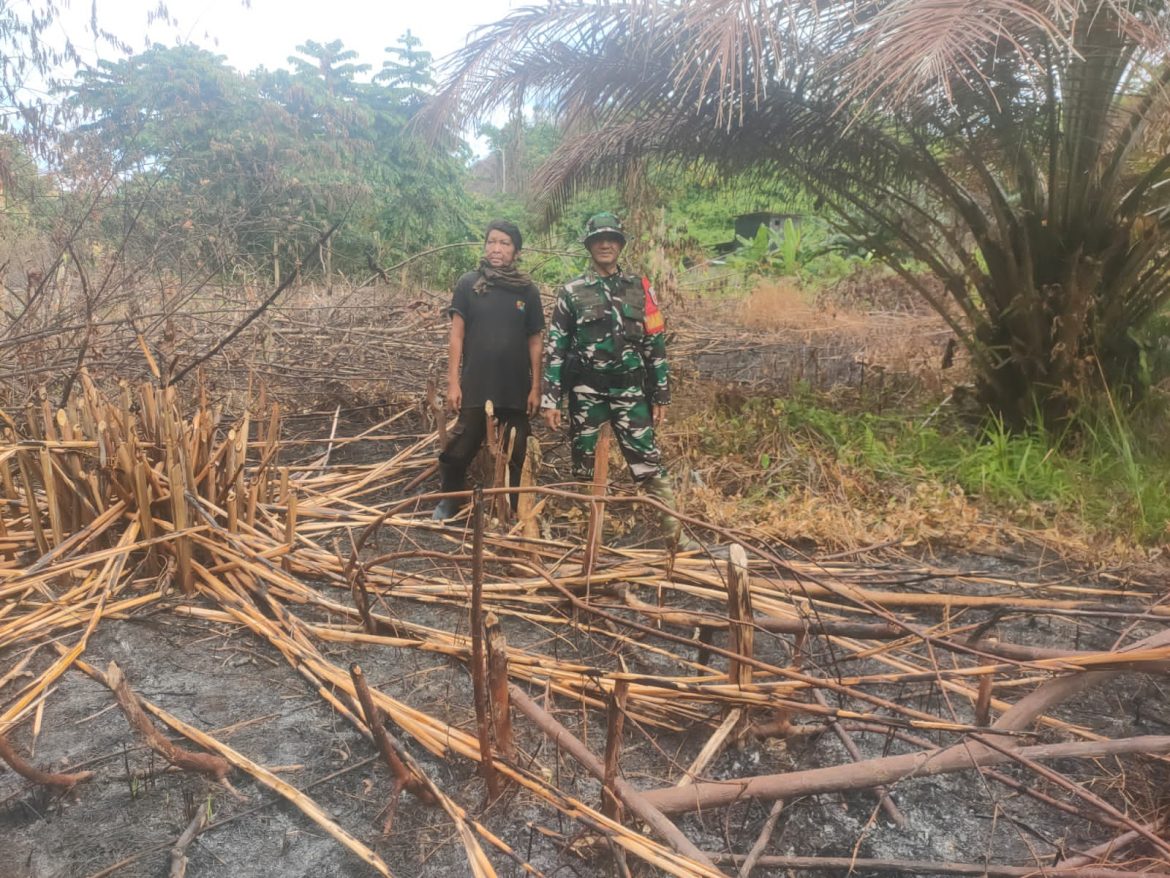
<point x="603" y="320"/>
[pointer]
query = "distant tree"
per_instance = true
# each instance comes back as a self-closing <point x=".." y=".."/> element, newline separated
<point x="331" y="63"/>
<point x="1016" y="151"/>
<point x="408" y="70"/>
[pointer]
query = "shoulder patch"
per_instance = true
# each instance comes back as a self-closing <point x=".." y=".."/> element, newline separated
<point x="654" y="321"/>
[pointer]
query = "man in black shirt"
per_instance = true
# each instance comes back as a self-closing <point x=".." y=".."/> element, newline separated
<point x="494" y="353"/>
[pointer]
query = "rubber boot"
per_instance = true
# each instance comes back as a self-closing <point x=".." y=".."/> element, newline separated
<point x="659" y="488"/>
<point x="449" y="480"/>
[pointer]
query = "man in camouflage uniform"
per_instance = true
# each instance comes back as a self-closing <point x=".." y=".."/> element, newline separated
<point x="606" y="351"/>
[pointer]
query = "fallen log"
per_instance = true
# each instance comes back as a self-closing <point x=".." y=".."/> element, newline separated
<point x="870" y="773"/>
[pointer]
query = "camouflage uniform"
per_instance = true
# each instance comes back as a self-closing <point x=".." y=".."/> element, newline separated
<point x="599" y="331"/>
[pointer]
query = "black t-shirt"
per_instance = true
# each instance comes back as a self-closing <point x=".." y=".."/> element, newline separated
<point x="497" y="325"/>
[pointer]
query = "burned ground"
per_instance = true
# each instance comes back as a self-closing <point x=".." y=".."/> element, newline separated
<point x="255" y="649"/>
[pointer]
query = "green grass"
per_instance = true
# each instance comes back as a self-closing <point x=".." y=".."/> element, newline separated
<point x="1107" y="475"/>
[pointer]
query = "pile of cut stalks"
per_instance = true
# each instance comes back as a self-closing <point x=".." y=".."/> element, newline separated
<point x="127" y="502"/>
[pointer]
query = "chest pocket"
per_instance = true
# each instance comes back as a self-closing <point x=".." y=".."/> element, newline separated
<point x="633" y="320"/>
<point x="594" y="322"/>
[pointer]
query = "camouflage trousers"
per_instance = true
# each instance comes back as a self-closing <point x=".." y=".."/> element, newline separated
<point x="628" y="413"/>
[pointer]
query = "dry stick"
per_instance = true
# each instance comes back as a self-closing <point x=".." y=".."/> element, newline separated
<point x="597" y="507"/>
<point x="1106" y="848"/>
<point x="478" y="660"/>
<point x="883" y="770"/>
<point x="983" y="701"/>
<point x="615" y="720"/>
<point x="179" y="850"/>
<point x="712" y="748"/>
<point x="853" y="865"/>
<point x="630" y="797"/>
<point x="375" y="721"/>
<point x="787" y="673"/>
<point x="765" y="836"/>
<point x="36" y="775"/>
<point x="847" y="742"/>
<point x="1078" y="791"/>
<point x="497" y="662"/>
<point x="212" y="766"/>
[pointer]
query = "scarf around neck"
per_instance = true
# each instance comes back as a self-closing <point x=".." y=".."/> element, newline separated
<point x="510" y="278"/>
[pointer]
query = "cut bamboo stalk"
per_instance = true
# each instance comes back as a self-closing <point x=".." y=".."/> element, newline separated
<point x="611" y="805"/>
<point x="882" y="770"/>
<point x="526" y="505"/>
<point x="182" y="544"/>
<point x="739" y="610"/>
<point x="34" y="511"/>
<point x="596" y="525"/>
<point x="983" y="701"/>
<point x="504" y="475"/>
<point x="52" y="501"/>
<point x="712" y="748"/>
<point x="479" y="679"/>
<point x="497" y="661"/>
<point x="142" y="495"/>
<point x="290" y="527"/>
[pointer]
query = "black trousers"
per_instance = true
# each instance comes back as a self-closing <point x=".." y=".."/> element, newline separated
<point x="466" y="437"/>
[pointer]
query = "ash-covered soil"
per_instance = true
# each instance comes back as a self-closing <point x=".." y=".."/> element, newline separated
<point x="236" y="687"/>
<point x="232" y="685"/>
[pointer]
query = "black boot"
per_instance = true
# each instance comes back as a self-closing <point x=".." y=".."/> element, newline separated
<point x="449" y="480"/>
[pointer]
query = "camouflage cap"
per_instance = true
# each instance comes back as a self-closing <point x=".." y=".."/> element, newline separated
<point x="603" y="224"/>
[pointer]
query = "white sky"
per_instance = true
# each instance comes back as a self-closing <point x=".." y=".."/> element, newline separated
<point x="268" y="31"/>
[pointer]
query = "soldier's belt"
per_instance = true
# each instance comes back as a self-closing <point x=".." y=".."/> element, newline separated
<point x="608" y="380"/>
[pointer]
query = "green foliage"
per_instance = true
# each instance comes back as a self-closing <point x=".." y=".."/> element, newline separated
<point x="239" y="171"/>
<point x="1104" y="473"/>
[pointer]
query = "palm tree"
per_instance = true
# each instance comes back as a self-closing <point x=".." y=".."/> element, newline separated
<point x="1012" y="148"/>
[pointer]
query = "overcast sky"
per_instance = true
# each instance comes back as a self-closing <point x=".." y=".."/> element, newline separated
<point x="268" y="31"/>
